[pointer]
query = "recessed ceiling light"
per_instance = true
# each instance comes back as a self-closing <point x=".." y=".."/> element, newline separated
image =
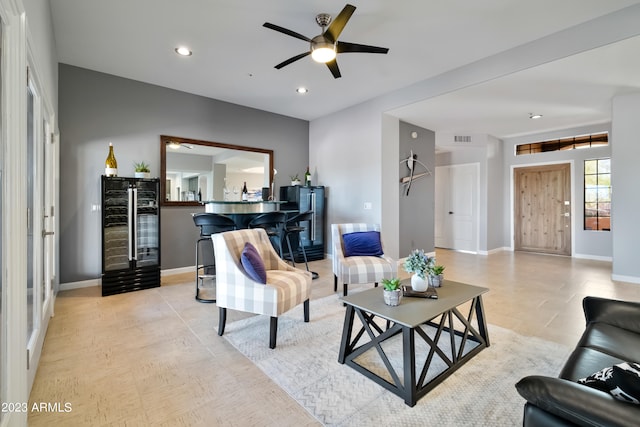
<point x="534" y="116"/>
<point x="302" y="90"/>
<point x="183" y="51"/>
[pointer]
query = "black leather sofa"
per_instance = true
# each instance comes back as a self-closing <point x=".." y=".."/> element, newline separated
<point x="612" y="336"/>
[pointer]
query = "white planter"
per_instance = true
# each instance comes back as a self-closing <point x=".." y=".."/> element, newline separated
<point x="418" y="284"/>
<point x="142" y="174"/>
<point x="296" y="182"/>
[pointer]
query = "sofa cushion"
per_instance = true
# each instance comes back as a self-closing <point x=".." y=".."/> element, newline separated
<point x="362" y="243"/>
<point x="583" y="362"/>
<point x="622" y="381"/>
<point x="617" y="342"/>
<point x="253" y="264"/>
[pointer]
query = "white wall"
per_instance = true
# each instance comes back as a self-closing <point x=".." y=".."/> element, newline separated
<point x="625" y="177"/>
<point x="345" y="156"/>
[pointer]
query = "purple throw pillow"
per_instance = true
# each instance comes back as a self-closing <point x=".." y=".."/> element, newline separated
<point x="253" y="264"/>
<point x="362" y="243"/>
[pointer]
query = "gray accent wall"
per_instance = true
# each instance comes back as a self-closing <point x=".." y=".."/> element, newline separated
<point x="416" y="210"/>
<point x="97" y="108"/>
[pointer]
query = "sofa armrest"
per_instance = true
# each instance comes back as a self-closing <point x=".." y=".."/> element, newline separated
<point x="623" y="314"/>
<point x="577" y="403"/>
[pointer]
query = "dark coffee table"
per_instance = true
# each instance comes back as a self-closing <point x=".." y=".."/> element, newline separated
<point x="433" y="320"/>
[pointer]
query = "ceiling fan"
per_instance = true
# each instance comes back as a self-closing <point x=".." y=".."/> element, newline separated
<point x="326" y="46"/>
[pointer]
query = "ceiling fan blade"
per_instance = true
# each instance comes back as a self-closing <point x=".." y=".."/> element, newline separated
<point x="344" y="47"/>
<point x="286" y="31"/>
<point x="292" y="59"/>
<point x="333" y="67"/>
<point x="338" y="24"/>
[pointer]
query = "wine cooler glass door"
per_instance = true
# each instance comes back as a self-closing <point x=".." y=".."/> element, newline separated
<point x="147" y="239"/>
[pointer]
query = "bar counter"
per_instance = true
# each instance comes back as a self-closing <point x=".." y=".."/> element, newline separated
<point x="243" y="212"/>
<point x="238" y="207"/>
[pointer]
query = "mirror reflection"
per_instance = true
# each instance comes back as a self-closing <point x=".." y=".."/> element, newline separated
<point x="194" y="171"/>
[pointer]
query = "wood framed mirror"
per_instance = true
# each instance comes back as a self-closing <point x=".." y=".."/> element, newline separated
<point x="193" y="171"/>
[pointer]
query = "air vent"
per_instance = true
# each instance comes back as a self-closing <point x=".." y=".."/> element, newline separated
<point x="461" y="138"/>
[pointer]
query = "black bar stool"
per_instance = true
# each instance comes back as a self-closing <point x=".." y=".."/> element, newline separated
<point x="273" y="224"/>
<point x="293" y="226"/>
<point x="209" y="223"/>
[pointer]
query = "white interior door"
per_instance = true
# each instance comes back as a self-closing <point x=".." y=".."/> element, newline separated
<point x="456" y="207"/>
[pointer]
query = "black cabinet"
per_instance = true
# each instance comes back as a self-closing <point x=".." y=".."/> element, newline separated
<point x="300" y="199"/>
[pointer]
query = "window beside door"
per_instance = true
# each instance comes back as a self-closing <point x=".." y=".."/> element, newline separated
<point x="597" y="194"/>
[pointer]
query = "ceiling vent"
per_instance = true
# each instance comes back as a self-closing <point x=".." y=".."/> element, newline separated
<point x="461" y="138"/>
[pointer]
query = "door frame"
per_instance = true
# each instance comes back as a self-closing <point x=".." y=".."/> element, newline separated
<point x="512" y="201"/>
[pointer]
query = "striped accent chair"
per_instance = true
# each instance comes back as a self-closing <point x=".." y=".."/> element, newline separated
<point x="358" y="269"/>
<point x="286" y="286"/>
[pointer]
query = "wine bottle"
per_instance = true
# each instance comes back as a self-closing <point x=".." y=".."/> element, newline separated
<point x="245" y="192"/>
<point x="199" y="195"/>
<point x="307" y="178"/>
<point x="111" y="165"/>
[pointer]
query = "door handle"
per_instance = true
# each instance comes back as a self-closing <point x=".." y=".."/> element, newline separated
<point x="47" y="233"/>
<point x="450" y="213"/>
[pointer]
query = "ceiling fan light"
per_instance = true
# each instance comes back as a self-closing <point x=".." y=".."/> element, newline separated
<point x="323" y="52"/>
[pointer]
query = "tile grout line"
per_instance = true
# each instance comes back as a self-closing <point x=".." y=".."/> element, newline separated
<point x="193" y="332"/>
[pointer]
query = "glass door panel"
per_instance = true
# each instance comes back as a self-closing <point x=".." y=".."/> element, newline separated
<point x="116" y="224"/>
<point x="31" y="292"/>
<point x="147" y="242"/>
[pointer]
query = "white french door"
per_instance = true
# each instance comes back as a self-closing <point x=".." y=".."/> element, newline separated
<point x="40" y="223"/>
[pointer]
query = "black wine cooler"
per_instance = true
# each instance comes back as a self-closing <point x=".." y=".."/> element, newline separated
<point x="130" y="234"/>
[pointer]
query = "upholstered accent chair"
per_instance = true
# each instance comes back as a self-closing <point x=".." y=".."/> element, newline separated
<point x="285" y="287"/>
<point x="358" y="269"/>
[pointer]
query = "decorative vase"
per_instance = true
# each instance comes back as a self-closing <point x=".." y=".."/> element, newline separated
<point x="418" y="284"/>
<point x="436" y="281"/>
<point x="392" y="298"/>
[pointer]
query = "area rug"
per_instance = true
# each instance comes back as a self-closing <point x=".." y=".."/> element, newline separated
<point x="305" y="364"/>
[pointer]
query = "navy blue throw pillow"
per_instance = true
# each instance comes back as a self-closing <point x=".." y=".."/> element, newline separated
<point x="362" y="243"/>
<point x="253" y="264"/>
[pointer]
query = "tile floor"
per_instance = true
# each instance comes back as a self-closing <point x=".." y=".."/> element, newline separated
<point x="153" y="357"/>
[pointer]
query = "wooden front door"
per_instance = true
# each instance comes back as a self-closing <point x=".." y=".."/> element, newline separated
<point x="542" y="209"/>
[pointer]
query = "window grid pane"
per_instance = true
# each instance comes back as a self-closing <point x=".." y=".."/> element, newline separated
<point x="597" y="194"/>
<point x="573" y="143"/>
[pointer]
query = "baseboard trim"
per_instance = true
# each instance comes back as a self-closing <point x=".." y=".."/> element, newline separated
<point x="80" y="284"/>
<point x="98" y="282"/>
<point x="179" y="270"/>
<point x="628" y="279"/>
<point x="593" y="257"/>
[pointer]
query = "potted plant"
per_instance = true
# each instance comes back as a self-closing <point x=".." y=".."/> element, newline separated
<point x="141" y="170"/>
<point x="420" y="264"/>
<point x="435" y="275"/>
<point x="392" y="293"/>
<point x="294" y="179"/>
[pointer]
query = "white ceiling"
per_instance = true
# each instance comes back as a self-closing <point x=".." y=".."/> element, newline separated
<point x="234" y="56"/>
